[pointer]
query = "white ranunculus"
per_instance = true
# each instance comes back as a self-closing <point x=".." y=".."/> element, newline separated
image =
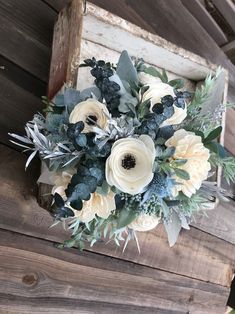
<point x="144" y="222"/>
<point x="92" y="109"/>
<point x="155" y="93"/>
<point x="129" y="166"/>
<point x="61" y="181"/>
<point x="100" y="205"/>
<point x="189" y="146"/>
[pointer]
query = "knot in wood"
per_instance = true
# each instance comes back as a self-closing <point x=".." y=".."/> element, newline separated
<point x="30" y="279"/>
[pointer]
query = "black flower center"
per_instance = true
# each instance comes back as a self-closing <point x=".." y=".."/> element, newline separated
<point x="128" y="162"/>
<point x="91" y="120"/>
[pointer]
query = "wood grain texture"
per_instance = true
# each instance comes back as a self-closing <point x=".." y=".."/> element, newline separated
<point x="66" y="48"/>
<point x="25" y="40"/>
<point x="227" y="9"/>
<point x="176" y="24"/>
<point x="197" y="254"/>
<point x="57" y="5"/>
<point x="196" y="8"/>
<point x="51" y="279"/>
<point x="18" y="104"/>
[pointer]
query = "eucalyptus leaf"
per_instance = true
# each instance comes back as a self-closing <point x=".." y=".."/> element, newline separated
<point x="89" y="92"/>
<point x="97" y="173"/>
<point x="77" y="204"/>
<point x="58" y="200"/>
<point x="182" y="174"/>
<point x="81" y="140"/>
<point x="125" y="218"/>
<point x="173" y="227"/>
<point x="59" y="100"/>
<point x="82" y="191"/>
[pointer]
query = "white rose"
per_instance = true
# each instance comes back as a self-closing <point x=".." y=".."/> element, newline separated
<point x="100" y="205"/>
<point x="155" y="93"/>
<point x="61" y="181"/>
<point x="144" y="222"/>
<point x="90" y="109"/>
<point x="129" y="166"/>
<point x="189" y="146"/>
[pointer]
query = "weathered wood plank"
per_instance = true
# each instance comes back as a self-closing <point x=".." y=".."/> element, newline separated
<point x="66" y="48"/>
<point x="229" y="140"/>
<point x="111" y="34"/>
<point x="57" y="5"/>
<point x="26" y="29"/>
<point x="176" y="24"/>
<point x="196" y="8"/>
<point x="227" y="9"/>
<point x="20" y="213"/>
<point x="19" y="105"/>
<point x="33" y="279"/>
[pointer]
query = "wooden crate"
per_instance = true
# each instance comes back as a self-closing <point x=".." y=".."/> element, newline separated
<point x="84" y="32"/>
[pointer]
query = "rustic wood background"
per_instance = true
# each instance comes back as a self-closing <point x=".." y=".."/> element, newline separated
<point x="35" y="277"/>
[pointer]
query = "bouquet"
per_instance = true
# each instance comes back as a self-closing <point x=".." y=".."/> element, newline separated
<point x="130" y="152"/>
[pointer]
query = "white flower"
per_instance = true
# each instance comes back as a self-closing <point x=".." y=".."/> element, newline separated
<point x="158" y="90"/>
<point x="129" y="166"/>
<point x="144" y="222"/>
<point x="61" y="181"/>
<point x="87" y="111"/>
<point x="147" y="79"/>
<point x="100" y="205"/>
<point x="189" y="146"/>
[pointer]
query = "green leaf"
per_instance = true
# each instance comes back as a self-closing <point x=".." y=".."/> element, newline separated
<point x="200" y="133"/>
<point x="213" y="134"/>
<point x="232" y="312"/>
<point x="143" y="109"/>
<point x="125" y="218"/>
<point x="216" y="148"/>
<point x="164" y="76"/>
<point x="152" y="71"/>
<point x="169" y="152"/>
<point x="125" y="68"/>
<point x="182" y="174"/>
<point x="103" y="189"/>
<point x="178" y="162"/>
<point x="177" y="83"/>
<point x="81" y="140"/>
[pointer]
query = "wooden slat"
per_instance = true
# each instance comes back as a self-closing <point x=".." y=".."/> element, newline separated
<point x="18" y="104"/>
<point x="66" y="48"/>
<point x="229" y="140"/>
<point x="196" y="8"/>
<point x="92" y="281"/>
<point x="127" y="12"/>
<point x="176" y="24"/>
<point x="57" y="5"/>
<point x="227" y="9"/>
<point x="26" y="29"/>
<point x="20" y="213"/>
<point x="229" y="46"/>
